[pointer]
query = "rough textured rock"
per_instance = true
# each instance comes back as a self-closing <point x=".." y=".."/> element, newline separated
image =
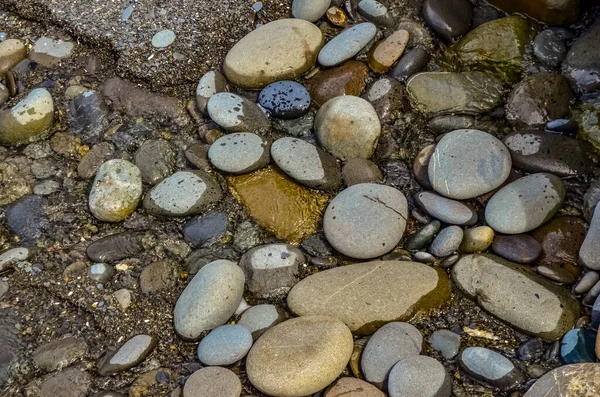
<point x="60" y="353"/>
<point x="582" y="64"/>
<point x="577" y="380"/>
<point x="115" y="247"/>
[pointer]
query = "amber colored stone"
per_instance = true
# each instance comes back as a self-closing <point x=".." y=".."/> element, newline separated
<point x="384" y="54"/>
<point x="346" y="79"/>
<point x="337" y="17"/>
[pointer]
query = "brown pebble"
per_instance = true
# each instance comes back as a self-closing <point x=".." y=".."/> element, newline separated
<point x="346" y="79"/>
<point x="352" y="387"/>
<point x="519" y="248"/>
<point x="358" y="170"/>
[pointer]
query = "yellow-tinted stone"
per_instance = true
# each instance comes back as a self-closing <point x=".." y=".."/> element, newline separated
<point x="386" y="52"/>
<point x="278" y="204"/>
<point x="336" y="16"/>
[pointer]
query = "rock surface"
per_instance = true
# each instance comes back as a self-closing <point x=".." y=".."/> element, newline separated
<point x="225" y="345"/>
<point x="446" y="210"/>
<point x="28" y="120"/>
<point x="133" y="352"/>
<point x="235" y="113"/>
<point x="589" y="253"/>
<point x="581" y="66"/>
<point x="347" y="79"/>
<point x="567" y="380"/>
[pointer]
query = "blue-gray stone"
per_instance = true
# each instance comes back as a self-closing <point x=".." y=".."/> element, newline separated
<point x="530" y="350"/>
<point x="490" y="367"/>
<point x="206" y="229"/>
<point x="446" y="342"/>
<point x="239" y="153"/>
<point x="101" y="272"/>
<point x="420" y="376"/>
<point x="577" y="346"/>
<point x="260" y="318"/>
<point x="285" y="99"/>
<point x="347" y="44"/>
<point x="309" y="10"/>
<point x="446" y="210"/>
<point x="164" y="38"/>
<point x="374" y="11"/>
<point x="447" y="241"/>
<point x="225" y="345"/>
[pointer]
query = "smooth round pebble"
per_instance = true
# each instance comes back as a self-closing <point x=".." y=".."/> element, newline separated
<point x="347" y="44"/>
<point x="163" y="39"/>
<point x="447" y="241"/>
<point x="236" y="114"/>
<point x="285" y="99"/>
<point x="29" y="119"/>
<point x="446" y="210"/>
<point x="490" y="367"/>
<point x="477" y="239"/>
<point x="258" y="319"/>
<point x="446" y="342"/>
<point x="225" y="345"/>
<point x="310" y="10"/>
<point x="520" y="248"/>
<point x="352" y="387"/>
<point x="419" y="376"/>
<point x="423" y="236"/>
<point x="213" y="382"/>
<point x="239" y="153"/>
<point x="586" y="283"/>
<point x="411" y="63"/>
<point x="448" y="18"/>
<point x="357" y="171"/>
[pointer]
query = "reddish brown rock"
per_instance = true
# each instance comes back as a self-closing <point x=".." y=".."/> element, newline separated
<point x="346" y="79"/>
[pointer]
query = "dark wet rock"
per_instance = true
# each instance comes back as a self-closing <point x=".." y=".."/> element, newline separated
<point x="485" y="13"/>
<point x="260" y="318"/>
<point x="582" y="66"/>
<point x="411" y="63"/>
<point x="540" y="151"/>
<point x="358" y="170"/>
<point x="547" y="11"/>
<point x="346" y="79"/>
<point x="347" y="44"/>
<point x="537" y="306"/>
<point x="115" y="247"/>
<point x="26" y="218"/>
<point x="375" y="12"/>
<point x="197" y="155"/>
<point x="591" y="199"/>
<point x="519" y="248"/>
<point x="449" y="19"/>
<point x="586" y="283"/>
<point x="446" y="342"/>
<point x="490" y="367"/>
<point x="285" y="99"/>
<point x="235" y="113"/>
<point x="205" y="230"/>
<point x="156" y="160"/>
<point x="386" y="96"/>
<point x="139" y="102"/>
<point x="423" y="236"/>
<point x="59" y="354"/>
<point x="419" y="376"/>
<point x="442" y="124"/>
<point x="131" y="135"/>
<point x="202" y="256"/>
<point x="595" y="318"/>
<point x="210" y="84"/>
<point x="446" y="242"/>
<point x="71" y="382"/>
<point x="159" y="276"/>
<point x="530" y="350"/>
<point x="300" y="127"/>
<point x="592" y="295"/>
<point x="578" y="346"/>
<point x="130" y="354"/>
<point x="225" y="345"/>
<point x="563" y="380"/>
<point x="563" y="126"/>
<point x="589" y="254"/>
<point x="549" y="46"/>
<point x="446" y="210"/>
<point x="436" y="93"/>
<point x="315" y="245"/>
<point x="88" y="116"/>
<point x="10" y="345"/>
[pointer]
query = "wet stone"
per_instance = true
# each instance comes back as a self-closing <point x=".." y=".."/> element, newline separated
<point x="386" y="96"/>
<point x="101" y="272"/>
<point x="48" y="52"/>
<point x="446" y="342"/>
<point x="71" y="382"/>
<point x="163" y="39"/>
<point x="347" y="79"/>
<point x="285" y="99"/>
<point x="419" y="376"/>
<point x="411" y="63"/>
<point x="539" y="196"/>
<point x="446" y="210"/>
<point x="236" y="114"/>
<point x="213" y="382"/>
<point x="59" y="354"/>
<point x="563" y="380"/>
<point x="4" y="286"/>
<point x="563" y="126"/>
<point x="423" y="236"/>
<point x="540" y="151"/>
<point x="239" y="153"/>
<point x="419" y="36"/>
<point x="26" y="218"/>
<point x="115" y="247"/>
<point x="309" y="10"/>
<point x="4" y="94"/>
<point x="347" y="386"/>
<point x="374" y="11"/>
<point x="589" y="254"/>
<point x="130" y="354"/>
<point x="306" y="163"/>
<point x="446" y="242"/>
<point x="477" y="239"/>
<point x="442" y="124"/>
<point x="28" y="120"/>
<point x="12" y="52"/>
<point x="449" y="19"/>
<point x="388" y="345"/>
<point x="210" y="84"/>
<point x="347" y="44"/>
<point x="182" y="194"/>
<point x="156" y="160"/>
<point x="159" y="276"/>
<point x="358" y="170"/>
<point x="384" y="54"/>
<point x="225" y="345"/>
<point x="10" y="346"/>
<point x="421" y="166"/>
<point x="519" y="248"/>
<point x="260" y="318"/>
<point x="490" y="367"/>
<point x="547" y="11"/>
<point x="549" y="46"/>
<point x="205" y="230"/>
<point x="88" y="116"/>
<point x="582" y="64"/>
<point x="578" y="346"/>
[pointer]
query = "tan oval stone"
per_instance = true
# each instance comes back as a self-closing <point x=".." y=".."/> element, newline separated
<point x="366" y="296"/>
<point x="352" y="387"/>
<point x="213" y="382"/>
<point x="576" y="380"/>
<point x="386" y="52"/>
<point x="477" y="239"/>
<point x="300" y="356"/>
<point x="12" y="51"/>
<point x="280" y="50"/>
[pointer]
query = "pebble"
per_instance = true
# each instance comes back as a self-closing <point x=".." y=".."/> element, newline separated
<point x="260" y="318"/>
<point x="375" y="12"/>
<point x="593" y="293"/>
<point x="130" y="354"/>
<point x="184" y="193"/>
<point x="446" y="210"/>
<point x="539" y="98"/>
<point x="116" y="190"/>
<point x="394" y="288"/>
<point x="306" y="163"/>
<point x="115" y="247"/>
<point x="347" y="79"/>
<point x="441" y="93"/>
<point x="490" y="367"/>
<point x="411" y="63"/>
<point x="531" y="350"/>
<point x="385" y="53"/>
<point x="540" y="151"/>
<point x="477" y="239"/>
<point x="159" y="276"/>
<point x="564" y="379"/>
<point x="280" y="50"/>
<point x="424" y="257"/>
<point x="539" y="197"/>
<point x="285" y="99"/>
<point x="210" y="84"/>
<point x="591" y="199"/>
<point x="549" y="46"/>
<point x="336" y="16"/>
<point x="4" y="94"/>
<point x="348" y="127"/>
<point x="48" y="52"/>
<point x="352" y="387"/>
<point x="123" y="297"/>
<point x="59" y="353"/>
<point x="12" y="255"/>
<point x="101" y="272"/>
<point x="73" y="91"/>
<point x="442" y="124"/>
<point x="468" y="163"/>
<point x="519" y="248"/>
<point x="419" y="36"/>
<point x="536" y="305"/>
<point x="423" y="236"/>
<point x="563" y="126"/>
<point x="209" y="300"/>
<point x="359" y="170"/>
<point x="386" y="96"/>
<point x="547" y="11"/>
<point x="347" y="44"/>
<point x="156" y="160"/>
<point x="91" y="162"/>
<point x="236" y="114"/>
<point x="446" y="242"/>
<point x="213" y="382"/>
<point x="446" y="342"/>
<point x="366" y="220"/>
<point x="578" y="346"/>
<point x="271" y="269"/>
<point x="388" y="345"/>
<point x="421" y="166"/>
<point x="28" y="120"/>
<point x="205" y="230"/>
<point x="12" y="51"/>
<point x="589" y="254"/>
<point x="450" y="19"/>
<point x="26" y="218"/>
<point x="197" y="155"/>
<point x="586" y="283"/>
<point x="419" y="376"/>
<point x="225" y="345"/>
<point x="320" y="345"/>
<point x="163" y="39"/>
<point x="239" y="153"/>
<point x="70" y="382"/>
<point x="310" y="10"/>
<point x="581" y="66"/>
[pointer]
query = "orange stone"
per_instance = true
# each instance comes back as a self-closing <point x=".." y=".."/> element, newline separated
<point x="346" y="79"/>
<point x="385" y="53"/>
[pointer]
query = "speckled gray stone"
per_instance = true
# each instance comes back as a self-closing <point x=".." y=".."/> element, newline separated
<point x="310" y="10"/>
<point x="236" y="114"/>
<point x="374" y="11"/>
<point x="468" y="163"/>
<point x="589" y="252"/>
<point x="239" y="153"/>
<point x="133" y="352"/>
<point x="347" y="44"/>
<point x="306" y="163"/>
<point x="213" y="382"/>
<point x="490" y="367"/>
<point x="59" y="353"/>
<point x="447" y="241"/>
<point x="260" y="318"/>
<point x="48" y="52"/>
<point x="210" y="84"/>
<point x="156" y="159"/>
<point x="446" y="342"/>
<point x="446" y="210"/>
<point x="182" y="194"/>
<point x="366" y="220"/>
<point x="211" y="297"/>
<point x="525" y="204"/>
<point x="419" y="376"/>
<point x="225" y="345"/>
<point x="391" y="343"/>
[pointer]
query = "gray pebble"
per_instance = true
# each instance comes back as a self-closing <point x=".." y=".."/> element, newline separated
<point x="423" y="236"/>
<point x="419" y="376"/>
<point x="411" y="63"/>
<point x="446" y="342"/>
<point x="260" y="318"/>
<point x="236" y="114"/>
<point x="375" y="12"/>
<point x="225" y="345"/>
<point x="446" y="242"/>
<point x="586" y="283"/>
<point x="446" y="210"/>
<point x="309" y="10"/>
<point x="347" y="44"/>
<point x="163" y="39"/>
<point x="239" y="153"/>
<point x="101" y="272"/>
<point x="490" y="367"/>
<point x="130" y="354"/>
<point x="210" y="84"/>
<point x="589" y="253"/>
